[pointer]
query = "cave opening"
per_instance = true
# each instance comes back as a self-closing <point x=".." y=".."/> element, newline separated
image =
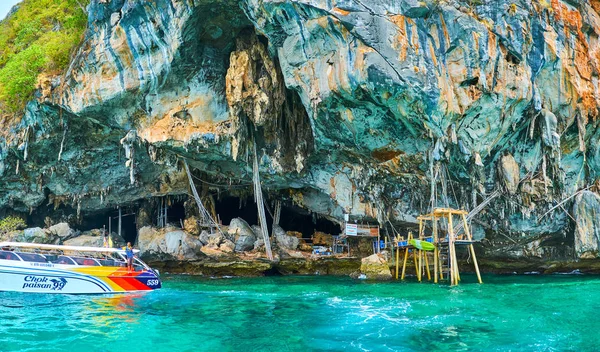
<point x="230" y="207"/>
<point x="292" y="218"/>
<point x="175" y="212"/>
<point x="297" y="219"/>
<point x="110" y="219"/>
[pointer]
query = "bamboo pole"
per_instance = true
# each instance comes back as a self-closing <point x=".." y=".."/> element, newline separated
<point x="258" y="197"/>
<point x="452" y="252"/>
<point x="435" y="264"/>
<point x="427" y="267"/>
<point x="397" y="262"/>
<point x="436" y="251"/>
<point x="472" y="249"/>
<point x="418" y="272"/>
<point x="404" y="265"/>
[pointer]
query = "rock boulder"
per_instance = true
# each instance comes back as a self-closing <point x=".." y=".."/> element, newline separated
<point x="62" y="230"/>
<point x="168" y="244"/>
<point x="375" y="267"/>
<point x="284" y="240"/>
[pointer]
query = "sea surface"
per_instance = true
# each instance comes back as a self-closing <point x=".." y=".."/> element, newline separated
<point x="506" y="313"/>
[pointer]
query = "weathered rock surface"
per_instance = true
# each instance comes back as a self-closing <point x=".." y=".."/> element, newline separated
<point x="322" y="239"/>
<point x="353" y="107"/>
<point x="62" y="230"/>
<point x="86" y="241"/>
<point x="284" y="240"/>
<point x="34" y="235"/>
<point x="245" y="242"/>
<point x="168" y="244"/>
<point x="587" y="224"/>
<point x="375" y="267"/>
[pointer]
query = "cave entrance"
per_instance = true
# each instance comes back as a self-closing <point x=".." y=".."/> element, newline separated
<point x="297" y="219"/>
<point x="128" y="223"/>
<point x="230" y="207"/>
<point x="292" y="218"/>
<point x="170" y="211"/>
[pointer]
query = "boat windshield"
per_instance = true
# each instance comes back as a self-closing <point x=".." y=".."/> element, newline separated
<point x="86" y="261"/>
<point x="62" y="259"/>
<point x="32" y="257"/>
<point x="8" y="256"/>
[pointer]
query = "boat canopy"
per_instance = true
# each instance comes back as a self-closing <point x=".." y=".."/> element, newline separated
<point x="63" y="248"/>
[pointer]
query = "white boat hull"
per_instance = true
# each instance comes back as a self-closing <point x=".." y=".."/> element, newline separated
<point x="68" y="279"/>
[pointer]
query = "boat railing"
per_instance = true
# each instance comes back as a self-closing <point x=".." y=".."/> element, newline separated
<point x="31" y="256"/>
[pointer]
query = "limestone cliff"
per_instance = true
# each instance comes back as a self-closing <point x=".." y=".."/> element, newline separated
<point x="354" y="107"/>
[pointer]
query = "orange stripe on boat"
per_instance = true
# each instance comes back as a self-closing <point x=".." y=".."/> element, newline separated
<point x="129" y="283"/>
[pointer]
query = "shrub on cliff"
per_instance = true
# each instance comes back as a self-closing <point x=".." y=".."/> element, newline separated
<point x="36" y="38"/>
<point x="12" y="223"/>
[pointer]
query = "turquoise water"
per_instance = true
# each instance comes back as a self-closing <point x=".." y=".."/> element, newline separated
<point x="517" y="313"/>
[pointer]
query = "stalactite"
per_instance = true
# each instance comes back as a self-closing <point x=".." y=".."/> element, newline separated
<point x="26" y="143"/>
<point x="545" y="178"/>
<point x="128" y="144"/>
<point x="62" y="142"/>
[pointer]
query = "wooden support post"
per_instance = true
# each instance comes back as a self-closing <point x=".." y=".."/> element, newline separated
<point x="471" y="248"/>
<point x="441" y="266"/>
<point x="397" y="262"/>
<point x="435" y="264"/>
<point x="427" y="267"/>
<point x="417" y="269"/>
<point x="404" y="265"/>
<point x="451" y="252"/>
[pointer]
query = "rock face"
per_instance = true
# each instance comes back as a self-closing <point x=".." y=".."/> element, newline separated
<point x="168" y="244"/>
<point x="244" y="235"/>
<point x="284" y="240"/>
<point x="509" y="173"/>
<point x="375" y="267"/>
<point x="353" y="107"/>
<point x="245" y="243"/>
<point x="34" y="235"/>
<point x="587" y="226"/>
<point x="62" y="230"/>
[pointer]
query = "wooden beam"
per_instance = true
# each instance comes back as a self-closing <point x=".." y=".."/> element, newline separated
<point x="472" y="249"/>
<point x="404" y="264"/>
<point x="397" y="262"/>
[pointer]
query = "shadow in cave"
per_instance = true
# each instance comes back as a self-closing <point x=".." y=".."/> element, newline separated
<point x="292" y="218"/>
<point x="175" y="213"/>
<point x="110" y="219"/>
<point x="297" y="219"/>
<point x="229" y="207"/>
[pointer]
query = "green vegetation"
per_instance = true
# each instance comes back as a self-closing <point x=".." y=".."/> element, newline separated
<point x="38" y="38"/>
<point x="12" y="223"/>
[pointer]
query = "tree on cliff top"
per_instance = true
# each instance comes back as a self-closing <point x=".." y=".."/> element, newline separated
<point x="38" y="37"/>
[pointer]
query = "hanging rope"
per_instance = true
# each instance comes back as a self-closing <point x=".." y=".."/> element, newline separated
<point x="258" y="198"/>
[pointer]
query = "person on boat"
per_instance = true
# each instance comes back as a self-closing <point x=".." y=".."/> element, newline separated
<point x="129" y="254"/>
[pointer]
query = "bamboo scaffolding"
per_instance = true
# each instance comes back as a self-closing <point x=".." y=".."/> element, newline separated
<point x="207" y="218"/>
<point x="258" y="197"/>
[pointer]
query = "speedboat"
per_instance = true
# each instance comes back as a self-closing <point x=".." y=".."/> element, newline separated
<point x="44" y="268"/>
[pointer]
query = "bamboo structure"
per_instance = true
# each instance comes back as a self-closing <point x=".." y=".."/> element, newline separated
<point x="204" y="214"/>
<point x="258" y="198"/>
<point x="445" y="246"/>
